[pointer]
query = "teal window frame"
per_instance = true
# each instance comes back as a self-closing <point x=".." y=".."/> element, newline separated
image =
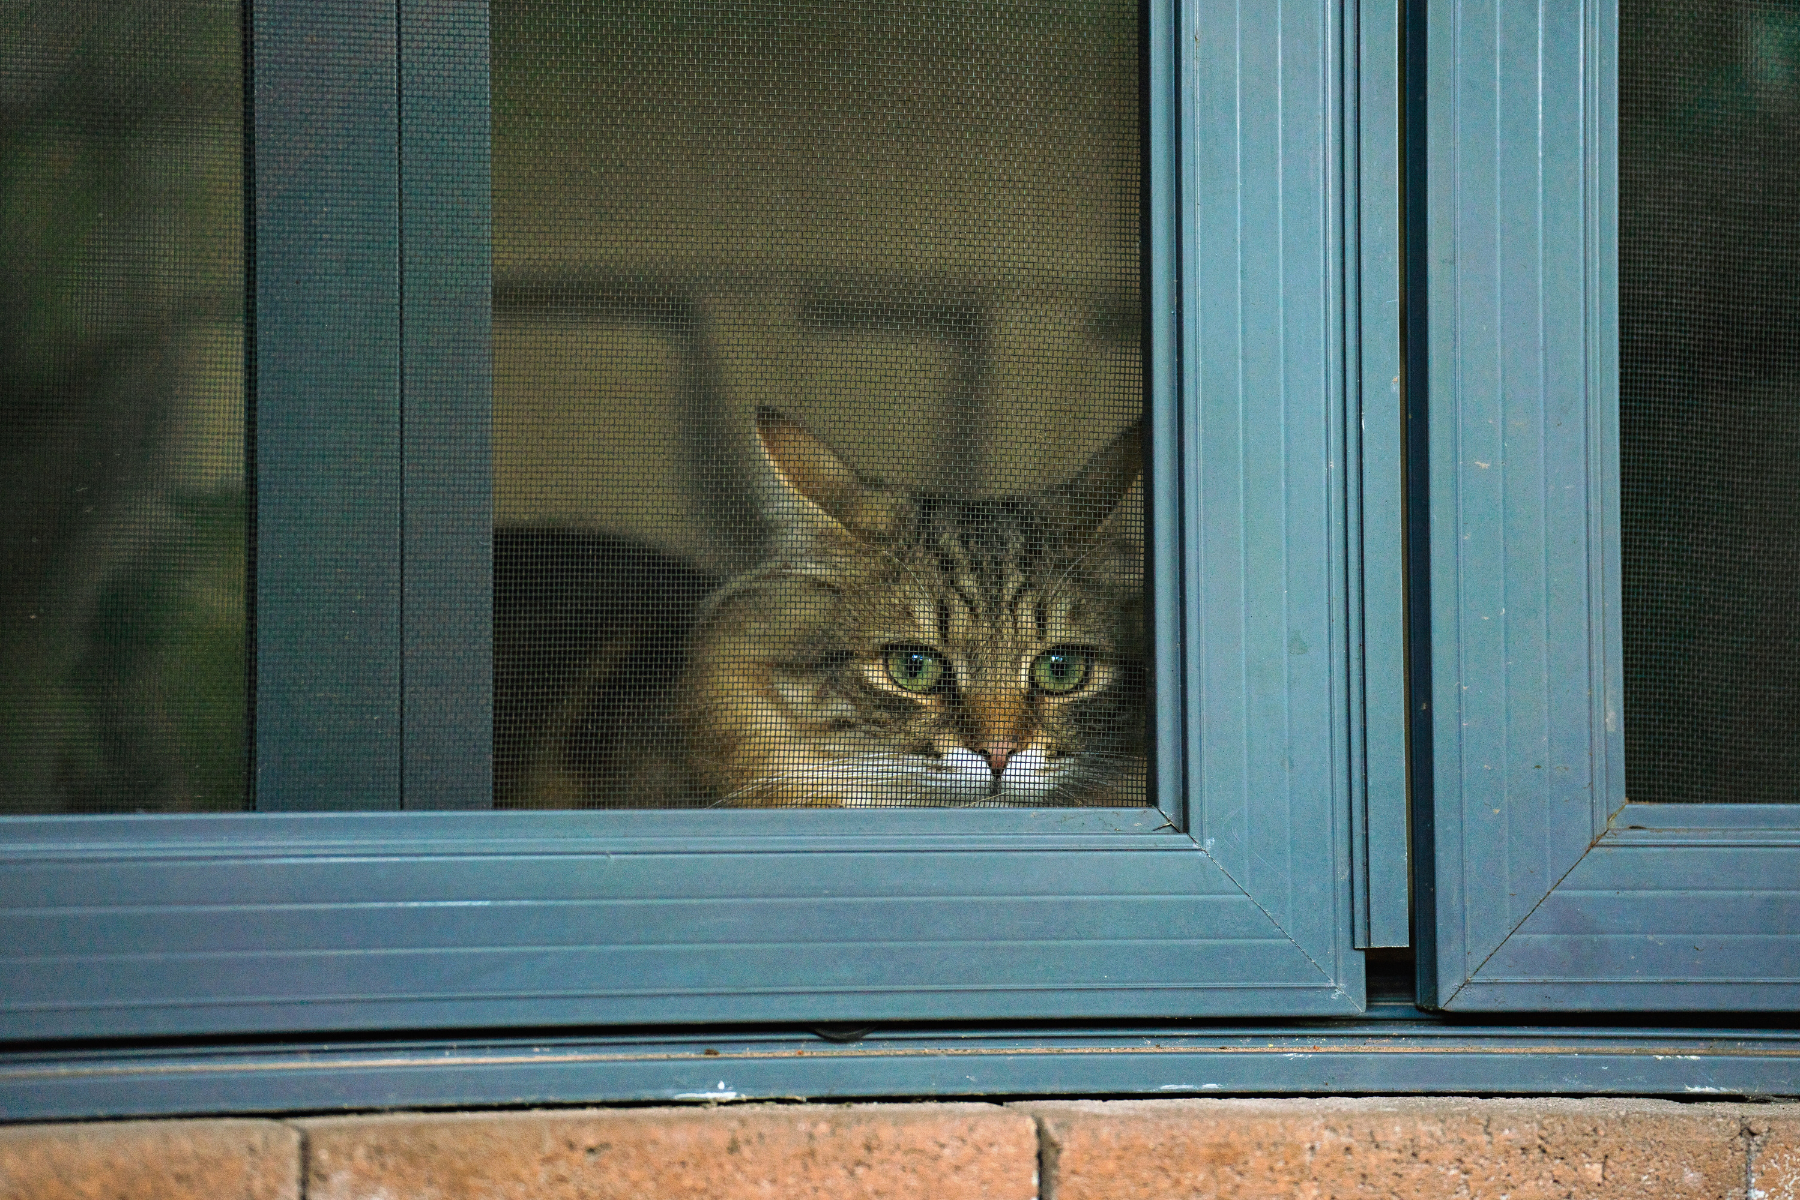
<point x="1543" y="887"/>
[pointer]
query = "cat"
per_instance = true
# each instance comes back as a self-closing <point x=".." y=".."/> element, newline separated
<point x="590" y="637"/>
<point x="914" y="649"/>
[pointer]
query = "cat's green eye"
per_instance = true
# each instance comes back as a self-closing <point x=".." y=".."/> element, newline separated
<point x="915" y="668"/>
<point x="1061" y="670"/>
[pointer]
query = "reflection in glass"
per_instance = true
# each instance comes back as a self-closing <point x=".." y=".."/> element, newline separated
<point x="122" y="631"/>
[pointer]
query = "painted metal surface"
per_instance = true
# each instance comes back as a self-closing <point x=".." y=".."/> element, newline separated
<point x="1405" y="1052"/>
<point x="1694" y="909"/>
<point x="327" y="406"/>
<point x="1518" y="783"/>
<point x="1415" y="392"/>
<point x="1164" y="329"/>
<point x="1377" y="441"/>
<point x="1267" y="626"/>
<point x="1545" y="895"/>
<point x="446" y="388"/>
<point x="457" y="920"/>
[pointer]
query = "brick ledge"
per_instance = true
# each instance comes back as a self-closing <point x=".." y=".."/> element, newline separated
<point x="1320" y="1149"/>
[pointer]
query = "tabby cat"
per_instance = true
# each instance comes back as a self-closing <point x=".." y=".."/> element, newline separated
<point x="904" y="649"/>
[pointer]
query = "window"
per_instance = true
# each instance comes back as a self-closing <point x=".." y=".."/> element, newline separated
<point x="1592" y="849"/>
<point x="1346" y="601"/>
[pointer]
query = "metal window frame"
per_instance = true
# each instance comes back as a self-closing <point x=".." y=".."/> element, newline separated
<point x="1543" y="889"/>
<point x="1247" y="894"/>
<point x="372" y="344"/>
<point x="1389" y="1050"/>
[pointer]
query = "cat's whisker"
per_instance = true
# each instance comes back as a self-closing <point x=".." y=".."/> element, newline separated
<point x="1050" y="592"/>
<point x="1074" y="774"/>
<point x="886" y="768"/>
<point x="829" y="774"/>
<point x="810" y="773"/>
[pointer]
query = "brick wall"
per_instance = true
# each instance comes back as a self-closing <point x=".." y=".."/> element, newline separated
<point x="1060" y="1150"/>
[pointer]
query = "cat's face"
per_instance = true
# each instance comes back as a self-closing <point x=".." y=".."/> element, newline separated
<point x="906" y="649"/>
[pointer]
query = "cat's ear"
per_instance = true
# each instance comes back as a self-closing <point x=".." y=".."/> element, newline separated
<point x="1094" y="492"/>
<point x="812" y="486"/>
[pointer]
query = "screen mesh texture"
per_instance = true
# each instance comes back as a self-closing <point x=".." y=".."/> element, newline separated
<point x="1709" y="227"/>
<point x="122" y="552"/>
<point x="818" y="384"/>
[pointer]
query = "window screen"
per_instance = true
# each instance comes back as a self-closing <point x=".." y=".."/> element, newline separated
<point x="817" y="398"/>
<point x="122" y="630"/>
<point x="1709" y="229"/>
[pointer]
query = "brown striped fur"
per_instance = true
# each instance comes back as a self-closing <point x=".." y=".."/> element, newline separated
<point x="786" y="699"/>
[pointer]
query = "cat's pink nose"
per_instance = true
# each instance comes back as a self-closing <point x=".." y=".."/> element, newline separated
<point x="997" y="754"/>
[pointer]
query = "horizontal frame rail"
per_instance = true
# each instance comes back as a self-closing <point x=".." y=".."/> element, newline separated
<point x="1397" y="1049"/>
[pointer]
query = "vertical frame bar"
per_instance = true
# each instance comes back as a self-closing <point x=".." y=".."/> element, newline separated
<point x="1417" y="226"/>
<point x="1168" y="146"/>
<point x="1523" y="464"/>
<point x="327" y="405"/>
<point x="1600" y="216"/>
<point x="1378" y="432"/>
<point x="1266" y="634"/>
<point x="446" y="389"/>
<point x="1356" y="699"/>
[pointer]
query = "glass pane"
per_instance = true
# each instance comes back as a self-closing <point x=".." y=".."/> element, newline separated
<point x="818" y="380"/>
<point x="1709" y="225"/>
<point x="122" y="643"/>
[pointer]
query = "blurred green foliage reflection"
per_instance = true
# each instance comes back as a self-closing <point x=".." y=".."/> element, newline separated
<point x="122" y="555"/>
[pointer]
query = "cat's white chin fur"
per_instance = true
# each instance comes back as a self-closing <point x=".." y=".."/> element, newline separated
<point x="1028" y="775"/>
<point x="958" y="777"/>
<point x="963" y="776"/>
<point x="964" y="772"/>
